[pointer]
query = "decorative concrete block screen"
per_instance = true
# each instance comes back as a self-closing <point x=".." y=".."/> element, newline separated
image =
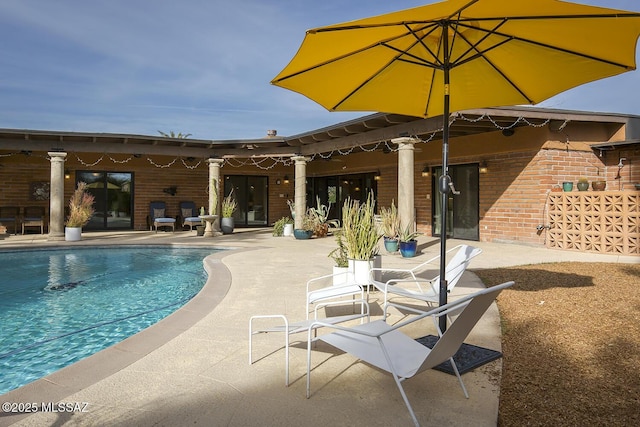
<point x="595" y="221"/>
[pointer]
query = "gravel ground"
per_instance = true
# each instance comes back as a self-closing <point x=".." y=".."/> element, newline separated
<point x="571" y="344"/>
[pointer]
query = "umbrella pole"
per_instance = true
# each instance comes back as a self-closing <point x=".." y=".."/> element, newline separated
<point x="445" y="180"/>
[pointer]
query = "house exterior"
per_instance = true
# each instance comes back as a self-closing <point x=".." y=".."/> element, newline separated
<point x="508" y="164"/>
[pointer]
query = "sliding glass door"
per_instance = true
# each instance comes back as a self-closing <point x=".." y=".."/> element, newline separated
<point x="462" y="209"/>
<point x="252" y="195"/>
<point x="113" y="199"/>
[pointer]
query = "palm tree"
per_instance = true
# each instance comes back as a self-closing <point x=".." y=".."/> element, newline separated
<point x="171" y="134"/>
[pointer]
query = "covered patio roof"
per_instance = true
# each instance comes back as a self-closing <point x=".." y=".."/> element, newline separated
<point x="370" y="129"/>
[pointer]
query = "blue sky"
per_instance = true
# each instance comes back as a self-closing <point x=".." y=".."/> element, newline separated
<point x="192" y="66"/>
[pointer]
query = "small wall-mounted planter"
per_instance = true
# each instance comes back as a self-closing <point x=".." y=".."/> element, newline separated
<point x="567" y="186"/>
<point x="583" y="185"/>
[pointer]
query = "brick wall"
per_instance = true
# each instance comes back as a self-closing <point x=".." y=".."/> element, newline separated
<point x="513" y="193"/>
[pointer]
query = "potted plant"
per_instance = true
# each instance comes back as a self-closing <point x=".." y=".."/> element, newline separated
<point x="341" y="262"/>
<point x="599" y="185"/>
<point x="292" y="208"/>
<point x="279" y="227"/>
<point x="308" y="226"/>
<point x="390" y="224"/>
<point x="361" y="235"/>
<point x="408" y="243"/>
<point x="229" y="206"/>
<point x="80" y="212"/>
<point x="583" y="184"/>
<point x="567" y="186"/>
<point x="321" y="214"/>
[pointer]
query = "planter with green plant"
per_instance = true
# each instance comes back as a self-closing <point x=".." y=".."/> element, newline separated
<point x="279" y="226"/>
<point x="80" y="212"/>
<point x="321" y="214"/>
<point x="308" y="226"/>
<point x="341" y="262"/>
<point x="229" y="206"/>
<point x="361" y="236"/>
<point x="390" y="224"/>
<point x="408" y="243"/>
<point x="583" y="184"/>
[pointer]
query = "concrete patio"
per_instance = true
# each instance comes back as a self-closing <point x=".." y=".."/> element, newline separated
<point x="192" y="367"/>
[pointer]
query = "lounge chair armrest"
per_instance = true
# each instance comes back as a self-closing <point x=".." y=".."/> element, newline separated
<point x="317" y="281"/>
<point x="321" y="305"/>
<point x="416" y="281"/>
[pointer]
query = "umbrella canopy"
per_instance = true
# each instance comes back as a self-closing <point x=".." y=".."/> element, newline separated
<point x="457" y="55"/>
<point x="496" y="52"/>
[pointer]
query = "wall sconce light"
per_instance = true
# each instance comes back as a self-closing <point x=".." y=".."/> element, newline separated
<point x="426" y="172"/>
<point x="67" y="174"/>
<point x="483" y="167"/>
<point x="286" y="179"/>
<point x="278" y="181"/>
<point x="171" y="190"/>
<point x="376" y="176"/>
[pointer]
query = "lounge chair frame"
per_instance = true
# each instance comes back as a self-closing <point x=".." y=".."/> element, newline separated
<point x="386" y="347"/>
<point x="424" y="289"/>
<point x="307" y="325"/>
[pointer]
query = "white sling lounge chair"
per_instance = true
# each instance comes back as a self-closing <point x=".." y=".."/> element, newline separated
<point x="319" y="289"/>
<point x="408" y="282"/>
<point x="297" y="327"/>
<point x="386" y="347"/>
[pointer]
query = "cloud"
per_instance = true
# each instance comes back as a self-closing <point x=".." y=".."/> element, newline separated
<point x="196" y="66"/>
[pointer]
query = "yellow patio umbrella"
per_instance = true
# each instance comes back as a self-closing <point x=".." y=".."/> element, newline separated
<point x="461" y="54"/>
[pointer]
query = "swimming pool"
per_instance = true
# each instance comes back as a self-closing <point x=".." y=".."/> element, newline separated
<point x="60" y="306"/>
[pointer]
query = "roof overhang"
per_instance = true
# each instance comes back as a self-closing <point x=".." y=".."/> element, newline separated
<point x="360" y="132"/>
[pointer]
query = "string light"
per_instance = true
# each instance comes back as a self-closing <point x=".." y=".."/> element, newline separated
<point x="162" y="166"/>
<point x="267" y="163"/>
<point x="120" y="161"/>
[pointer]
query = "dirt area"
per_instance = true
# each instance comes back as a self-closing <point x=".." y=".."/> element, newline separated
<point x="571" y="344"/>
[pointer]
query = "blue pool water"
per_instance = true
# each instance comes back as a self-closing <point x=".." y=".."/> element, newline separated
<point x="60" y="306"/>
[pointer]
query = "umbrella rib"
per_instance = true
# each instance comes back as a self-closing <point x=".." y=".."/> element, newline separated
<point x="510" y="37"/>
<point x="348" y="54"/>
<point x="473" y="47"/>
<point x="437" y="63"/>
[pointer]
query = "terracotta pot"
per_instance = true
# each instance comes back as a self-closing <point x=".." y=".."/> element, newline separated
<point x="598" y="185"/>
